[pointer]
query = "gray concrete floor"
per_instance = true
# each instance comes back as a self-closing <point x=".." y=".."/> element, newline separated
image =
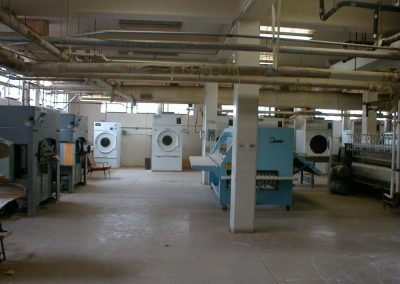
<point x="145" y="227"/>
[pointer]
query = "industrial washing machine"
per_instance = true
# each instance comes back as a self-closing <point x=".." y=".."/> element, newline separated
<point x="74" y="149"/>
<point x="167" y="143"/>
<point x="314" y="139"/>
<point x="107" y="143"/>
<point x="33" y="136"/>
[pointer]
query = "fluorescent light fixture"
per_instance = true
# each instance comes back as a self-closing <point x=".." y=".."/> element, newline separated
<point x="93" y="98"/>
<point x="287" y="30"/>
<point x="287" y="33"/>
<point x="287" y="36"/>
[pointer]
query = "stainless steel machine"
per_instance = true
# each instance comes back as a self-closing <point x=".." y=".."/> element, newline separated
<point x="74" y="149"/>
<point x="33" y="138"/>
<point x="370" y="160"/>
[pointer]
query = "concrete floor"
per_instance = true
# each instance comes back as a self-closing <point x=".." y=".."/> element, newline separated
<point x="145" y="227"/>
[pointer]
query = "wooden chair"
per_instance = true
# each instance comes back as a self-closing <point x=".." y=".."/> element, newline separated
<point x="95" y="167"/>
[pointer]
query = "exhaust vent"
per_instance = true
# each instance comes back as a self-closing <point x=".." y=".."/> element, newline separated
<point x="150" y="25"/>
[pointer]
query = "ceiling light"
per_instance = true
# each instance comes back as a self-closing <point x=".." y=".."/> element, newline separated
<point x="287" y="36"/>
<point x="287" y="33"/>
<point x="287" y="30"/>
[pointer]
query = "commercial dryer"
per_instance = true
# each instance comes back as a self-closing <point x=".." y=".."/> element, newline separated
<point x="107" y="142"/>
<point x="167" y="143"/>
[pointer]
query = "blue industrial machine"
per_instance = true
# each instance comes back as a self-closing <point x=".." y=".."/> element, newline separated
<point x="274" y="179"/>
<point x="73" y="150"/>
<point x="33" y="134"/>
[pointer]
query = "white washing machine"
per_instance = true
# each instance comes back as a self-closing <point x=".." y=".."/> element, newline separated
<point x="167" y="143"/>
<point x="314" y="139"/>
<point x="107" y="142"/>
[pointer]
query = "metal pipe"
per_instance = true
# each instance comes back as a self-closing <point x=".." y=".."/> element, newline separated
<point x="244" y="10"/>
<point x="14" y="23"/>
<point x="397" y="189"/>
<point x="114" y="91"/>
<point x="355" y="4"/>
<point x="281" y="81"/>
<point x="8" y="59"/>
<point x="202" y="69"/>
<point x="147" y="44"/>
<point x="393" y="163"/>
<point x="391" y="39"/>
<point x="19" y="39"/>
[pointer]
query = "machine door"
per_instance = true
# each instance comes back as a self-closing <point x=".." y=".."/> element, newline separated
<point x="106" y="142"/>
<point x="319" y="144"/>
<point x="168" y="140"/>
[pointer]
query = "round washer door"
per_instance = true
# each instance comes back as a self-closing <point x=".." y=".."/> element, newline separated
<point x="318" y="144"/>
<point x="105" y="143"/>
<point x="168" y="140"/>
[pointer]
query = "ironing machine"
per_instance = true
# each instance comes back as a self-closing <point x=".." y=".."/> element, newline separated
<point x="274" y="179"/>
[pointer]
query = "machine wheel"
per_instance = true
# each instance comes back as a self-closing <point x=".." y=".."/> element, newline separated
<point x="287" y="207"/>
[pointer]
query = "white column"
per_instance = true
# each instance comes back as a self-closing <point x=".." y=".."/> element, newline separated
<point x="209" y="121"/>
<point x="369" y="120"/>
<point x="245" y="123"/>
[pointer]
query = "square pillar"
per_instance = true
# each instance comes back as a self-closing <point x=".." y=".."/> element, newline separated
<point x="369" y="121"/>
<point x="209" y="121"/>
<point x="244" y="151"/>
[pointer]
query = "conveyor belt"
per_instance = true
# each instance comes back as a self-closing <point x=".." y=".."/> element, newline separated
<point x="10" y="192"/>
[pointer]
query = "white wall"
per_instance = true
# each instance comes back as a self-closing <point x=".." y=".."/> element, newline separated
<point x="137" y="130"/>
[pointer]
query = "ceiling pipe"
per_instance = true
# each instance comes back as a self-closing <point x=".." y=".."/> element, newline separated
<point x="390" y="40"/>
<point x="19" y="39"/>
<point x="8" y="59"/>
<point x="255" y="80"/>
<point x="14" y="23"/>
<point x="392" y="54"/>
<point x="247" y="6"/>
<point x="204" y="70"/>
<point x="355" y="4"/>
<point x="146" y="45"/>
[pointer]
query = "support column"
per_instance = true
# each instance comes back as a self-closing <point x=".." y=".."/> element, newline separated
<point x="209" y="121"/>
<point x="369" y="120"/>
<point x="244" y="151"/>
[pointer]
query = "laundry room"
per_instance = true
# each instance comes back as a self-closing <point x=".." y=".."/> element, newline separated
<point x="211" y="141"/>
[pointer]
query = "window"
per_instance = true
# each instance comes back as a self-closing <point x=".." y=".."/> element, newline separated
<point x="177" y="108"/>
<point x="336" y="114"/>
<point x="121" y="107"/>
<point x="147" y="108"/>
<point x="266" y="58"/>
<point x="264" y="111"/>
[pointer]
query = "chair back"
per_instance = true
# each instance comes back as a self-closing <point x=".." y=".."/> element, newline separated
<point x="91" y="161"/>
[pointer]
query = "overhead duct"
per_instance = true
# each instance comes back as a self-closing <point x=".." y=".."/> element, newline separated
<point x="14" y="23"/>
<point x="354" y="4"/>
<point x="382" y="87"/>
